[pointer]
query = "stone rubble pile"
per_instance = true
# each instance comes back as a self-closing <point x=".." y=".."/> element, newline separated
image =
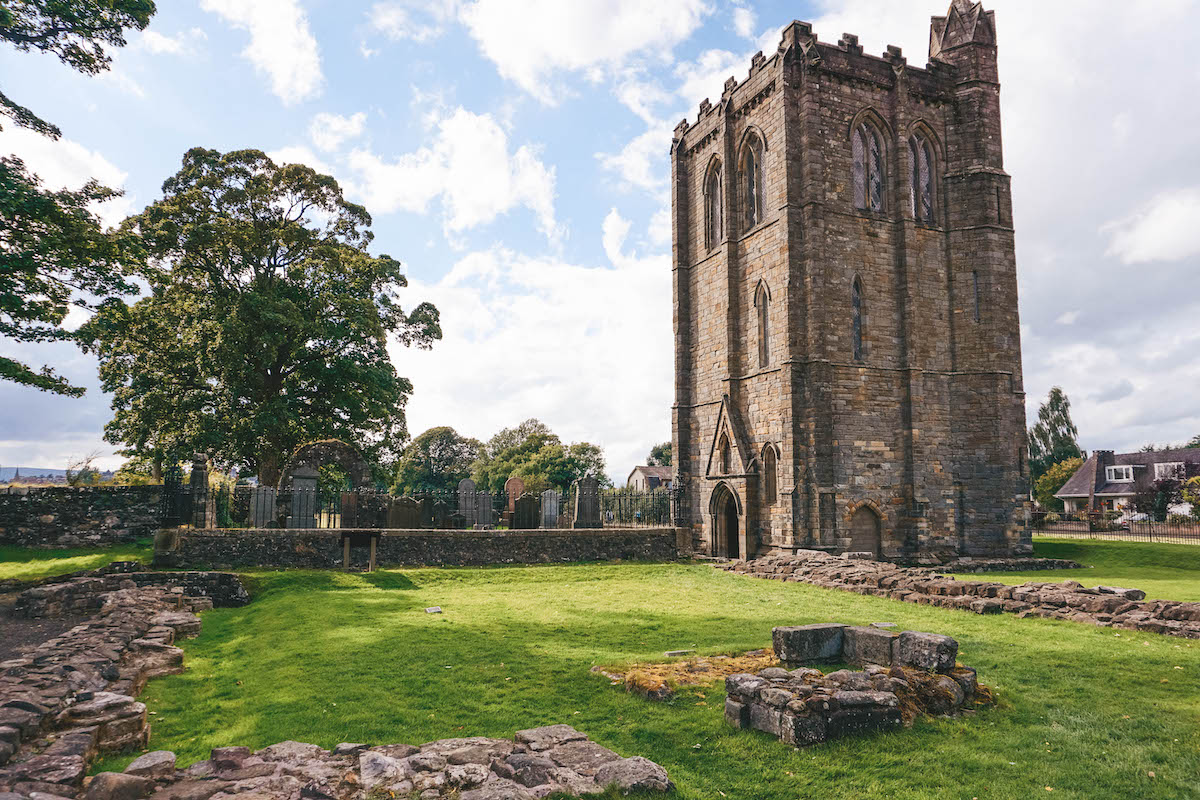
<point x="903" y="674"/>
<point x="1109" y="606"/>
<point x="539" y="762"/>
<point x="72" y="697"/>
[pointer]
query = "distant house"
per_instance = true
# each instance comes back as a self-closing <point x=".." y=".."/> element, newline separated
<point x="648" y="478"/>
<point x="1108" y="481"/>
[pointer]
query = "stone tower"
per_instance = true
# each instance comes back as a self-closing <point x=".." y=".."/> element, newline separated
<point x="847" y="345"/>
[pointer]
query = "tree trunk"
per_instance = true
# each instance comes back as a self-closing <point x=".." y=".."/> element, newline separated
<point x="268" y="469"/>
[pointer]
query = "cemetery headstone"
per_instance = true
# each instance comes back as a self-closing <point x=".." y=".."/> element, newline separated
<point x="466" y="501"/>
<point x="514" y="487"/>
<point x="262" y="506"/>
<point x="441" y="514"/>
<point x="550" y="508"/>
<point x="304" y="499"/>
<point x="525" y="515"/>
<point x="484" y="513"/>
<point x="349" y="510"/>
<point x="587" y="503"/>
<point x="403" y="514"/>
<point x="425" y="512"/>
<point x="198" y="486"/>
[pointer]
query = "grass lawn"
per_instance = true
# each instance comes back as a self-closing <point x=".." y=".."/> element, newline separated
<point x="326" y="657"/>
<point x="27" y="564"/>
<point x="1162" y="571"/>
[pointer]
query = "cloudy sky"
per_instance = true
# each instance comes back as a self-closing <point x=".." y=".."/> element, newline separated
<point x="513" y="154"/>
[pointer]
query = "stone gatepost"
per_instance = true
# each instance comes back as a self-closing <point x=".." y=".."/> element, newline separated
<point x="550" y="505"/>
<point x="203" y="504"/>
<point x="587" y="503"/>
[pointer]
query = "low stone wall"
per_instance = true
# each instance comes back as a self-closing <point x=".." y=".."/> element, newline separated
<point x="540" y="761"/>
<point x="86" y="593"/>
<point x="72" y="697"/>
<point x="322" y="549"/>
<point x="1109" y="606"/>
<point x="904" y="674"/>
<point x="93" y="516"/>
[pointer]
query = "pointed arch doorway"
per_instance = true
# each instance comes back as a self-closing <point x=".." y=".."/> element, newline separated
<point x="865" y="535"/>
<point x="726" y="527"/>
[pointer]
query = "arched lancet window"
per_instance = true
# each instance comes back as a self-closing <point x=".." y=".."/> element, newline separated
<point x="712" y="206"/>
<point x="770" y="462"/>
<point x="868" y="177"/>
<point x="762" y="302"/>
<point x="975" y="281"/>
<point x="751" y="180"/>
<point x="856" y="304"/>
<point x="921" y="182"/>
<point x="725" y="455"/>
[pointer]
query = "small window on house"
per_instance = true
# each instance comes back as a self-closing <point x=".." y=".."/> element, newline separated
<point x="770" y="463"/>
<point x="867" y="151"/>
<point x="752" y="180"/>
<point x="725" y="456"/>
<point x="1119" y="474"/>
<point x="921" y="181"/>
<point x="856" y="303"/>
<point x="712" y="207"/>
<point x="1171" y="471"/>
<point x="762" y="303"/>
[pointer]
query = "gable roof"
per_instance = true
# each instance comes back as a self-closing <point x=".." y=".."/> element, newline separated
<point x="662" y="473"/>
<point x="1090" y="478"/>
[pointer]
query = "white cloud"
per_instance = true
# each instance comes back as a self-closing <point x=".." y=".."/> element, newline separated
<point x="328" y="131"/>
<point x="470" y="167"/>
<point x="1165" y="229"/>
<point x="66" y="164"/>
<point x="743" y="22"/>
<point x="181" y="44"/>
<point x="418" y="20"/>
<point x="643" y="162"/>
<point x="642" y="98"/>
<point x="1068" y="318"/>
<point x="532" y="40"/>
<point x="281" y="44"/>
<point x="586" y="349"/>
<point x="299" y="154"/>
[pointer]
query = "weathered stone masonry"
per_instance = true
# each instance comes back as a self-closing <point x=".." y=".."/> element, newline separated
<point x="911" y="444"/>
<point x="92" y="516"/>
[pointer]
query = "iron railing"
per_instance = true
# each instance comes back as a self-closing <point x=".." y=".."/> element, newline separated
<point x="1109" y="525"/>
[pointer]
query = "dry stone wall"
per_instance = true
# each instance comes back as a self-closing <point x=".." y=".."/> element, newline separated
<point x="1108" y="606"/>
<point x="320" y="549"/>
<point x="87" y="593"/>
<point x="62" y="516"/>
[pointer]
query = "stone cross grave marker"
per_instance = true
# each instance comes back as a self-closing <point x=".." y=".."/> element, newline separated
<point x="587" y="503"/>
<point x="467" y="497"/>
<point x="525" y="517"/>
<point x="550" y="508"/>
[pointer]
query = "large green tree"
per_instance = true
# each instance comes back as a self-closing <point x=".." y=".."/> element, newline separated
<point x="436" y="461"/>
<point x="54" y="252"/>
<point x="266" y="324"/>
<point x="534" y="453"/>
<point x="660" y="455"/>
<point x="1054" y="438"/>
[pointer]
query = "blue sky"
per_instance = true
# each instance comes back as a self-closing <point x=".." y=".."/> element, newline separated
<point x="513" y="154"/>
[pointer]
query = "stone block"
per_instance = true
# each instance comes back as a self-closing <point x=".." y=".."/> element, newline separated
<point x="155" y="764"/>
<point x="744" y="685"/>
<point x="867" y="646"/>
<point x="798" y="645"/>
<point x="737" y="714"/>
<point x="765" y="718"/>
<point x="116" y="786"/>
<point x="859" y="721"/>
<point x="801" y="730"/>
<point x="932" y="652"/>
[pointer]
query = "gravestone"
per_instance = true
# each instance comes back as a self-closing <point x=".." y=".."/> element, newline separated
<point x="425" y="512"/>
<point x="441" y="515"/>
<point x="304" y="499"/>
<point x="262" y="506"/>
<point x="349" y="510"/>
<point x="484" y="513"/>
<point x="514" y="487"/>
<point x="466" y="501"/>
<point x="203" y="505"/>
<point x="525" y="515"/>
<point x="403" y="514"/>
<point x="587" y="503"/>
<point x="550" y="509"/>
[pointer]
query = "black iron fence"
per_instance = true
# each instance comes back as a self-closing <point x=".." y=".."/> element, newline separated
<point x="305" y="507"/>
<point x="1175" y="529"/>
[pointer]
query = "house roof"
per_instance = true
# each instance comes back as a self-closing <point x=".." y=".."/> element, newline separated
<point x="1090" y="479"/>
<point x="662" y="473"/>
